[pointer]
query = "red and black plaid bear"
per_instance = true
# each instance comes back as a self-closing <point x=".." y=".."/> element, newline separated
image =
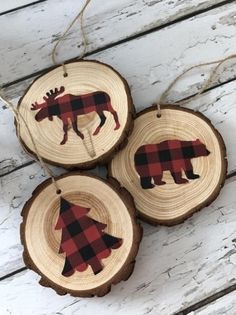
<point x="83" y="240"/>
<point x="172" y="155"/>
<point x="68" y="107"/>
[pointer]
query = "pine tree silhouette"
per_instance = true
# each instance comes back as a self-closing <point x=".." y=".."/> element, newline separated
<point x="83" y="240"/>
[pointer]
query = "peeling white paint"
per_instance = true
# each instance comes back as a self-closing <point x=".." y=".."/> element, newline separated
<point x="28" y="49"/>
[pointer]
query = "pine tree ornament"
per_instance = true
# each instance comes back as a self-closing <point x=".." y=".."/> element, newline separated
<point x="83" y="239"/>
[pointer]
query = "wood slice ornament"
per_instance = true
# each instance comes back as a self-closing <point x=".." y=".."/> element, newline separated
<point x="79" y="119"/>
<point x="84" y="240"/>
<point x="173" y="165"/>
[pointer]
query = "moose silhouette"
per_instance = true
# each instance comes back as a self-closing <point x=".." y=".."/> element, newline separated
<point x="68" y="107"/>
<point x="151" y="160"/>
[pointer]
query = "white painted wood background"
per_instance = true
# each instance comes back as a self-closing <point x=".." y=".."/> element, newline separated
<point x="186" y="269"/>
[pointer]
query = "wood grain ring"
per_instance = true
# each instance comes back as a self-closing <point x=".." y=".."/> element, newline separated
<point x="112" y="205"/>
<point x="172" y="203"/>
<point x="84" y="76"/>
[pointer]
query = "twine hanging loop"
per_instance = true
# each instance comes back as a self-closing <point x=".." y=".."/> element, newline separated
<point x="80" y="16"/>
<point x="163" y="98"/>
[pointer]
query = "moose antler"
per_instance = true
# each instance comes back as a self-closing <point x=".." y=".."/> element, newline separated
<point x="36" y="106"/>
<point x="53" y="94"/>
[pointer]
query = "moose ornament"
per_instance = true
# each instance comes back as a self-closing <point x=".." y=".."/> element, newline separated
<point x="173" y="165"/>
<point x="78" y="120"/>
<point x="68" y="107"/>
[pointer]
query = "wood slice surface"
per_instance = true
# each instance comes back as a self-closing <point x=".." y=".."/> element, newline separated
<point x="111" y="207"/>
<point x="92" y="104"/>
<point x="173" y="165"/>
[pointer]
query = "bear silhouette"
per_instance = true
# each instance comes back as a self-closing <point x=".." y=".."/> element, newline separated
<point x="171" y="155"/>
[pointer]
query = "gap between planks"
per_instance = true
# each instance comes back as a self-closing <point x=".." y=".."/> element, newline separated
<point x="18" y="168"/>
<point x="22" y="7"/>
<point x="208" y="300"/>
<point x="11" y="274"/>
<point x="125" y="40"/>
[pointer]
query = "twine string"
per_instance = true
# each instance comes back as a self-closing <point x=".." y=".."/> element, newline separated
<point x="18" y="116"/>
<point x="80" y="16"/>
<point x="93" y="153"/>
<point x="205" y="86"/>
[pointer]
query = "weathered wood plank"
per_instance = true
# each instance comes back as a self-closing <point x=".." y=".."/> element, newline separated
<point x="176" y="267"/>
<point x="151" y="62"/>
<point x="28" y="50"/>
<point x="218" y="106"/>
<point x="11" y="201"/>
<point x="13" y="4"/>
<point x="223" y="306"/>
<point x="12" y="153"/>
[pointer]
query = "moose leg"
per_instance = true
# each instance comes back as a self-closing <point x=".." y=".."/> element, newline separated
<point x="146" y="182"/>
<point x="114" y="113"/>
<point x="65" y="129"/>
<point x="158" y="180"/>
<point x="177" y="176"/>
<point x="115" y="116"/>
<point x="189" y="170"/>
<point x="102" y="122"/>
<point x="75" y="127"/>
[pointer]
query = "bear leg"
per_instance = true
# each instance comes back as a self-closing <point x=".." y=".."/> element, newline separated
<point x="189" y="170"/>
<point x="146" y="182"/>
<point x="191" y="175"/>
<point x="177" y="176"/>
<point x="158" y="180"/>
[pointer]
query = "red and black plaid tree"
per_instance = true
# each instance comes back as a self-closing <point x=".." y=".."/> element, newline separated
<point x="83" y="239"/>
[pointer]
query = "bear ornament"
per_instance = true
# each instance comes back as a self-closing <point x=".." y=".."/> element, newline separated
<point x="171" y="155"/>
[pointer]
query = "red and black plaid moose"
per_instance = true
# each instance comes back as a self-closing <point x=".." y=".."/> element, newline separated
<point x="68" y="107"/>
<point x="151" y="160"/>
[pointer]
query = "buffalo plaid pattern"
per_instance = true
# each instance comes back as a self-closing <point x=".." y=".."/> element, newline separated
<point x="172" y="155"/>
<point x="70" y="106"/>
<point x="83" y="240"/>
